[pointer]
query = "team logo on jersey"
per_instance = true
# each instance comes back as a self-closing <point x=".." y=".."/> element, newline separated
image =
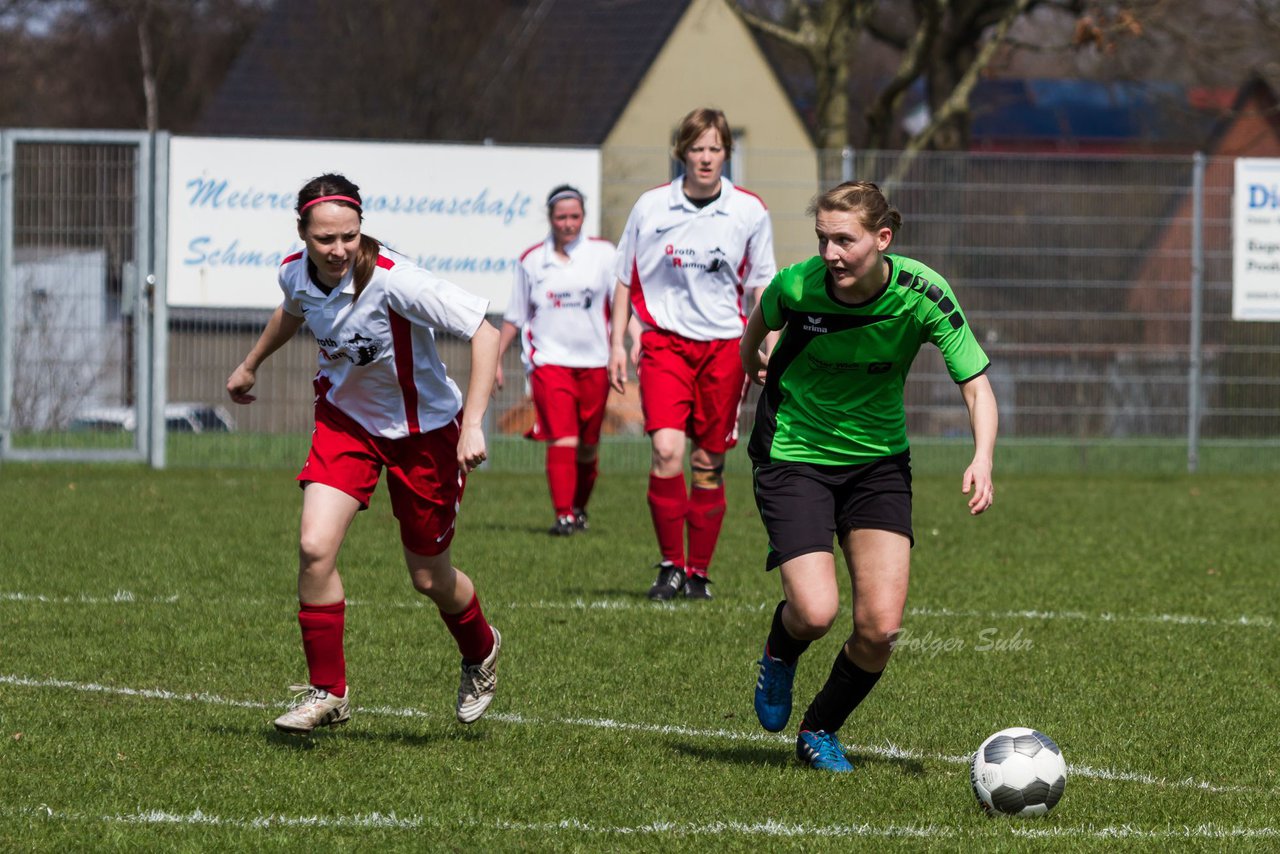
<point x="564" y="299"/>
<point x="684" y="258"/>
<point x="358" y="350"/>
<point x="365" y="349"/>
<point x="717" y="260"/>
<point x="830" y="367"/>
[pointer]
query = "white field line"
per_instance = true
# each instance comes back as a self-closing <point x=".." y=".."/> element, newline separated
<point x="1242" y="621"/>
<point x="398" y="822"/>
<point x="117" y="598"/>
<point x="888" y="751"/>
<point x="771" y="828"/>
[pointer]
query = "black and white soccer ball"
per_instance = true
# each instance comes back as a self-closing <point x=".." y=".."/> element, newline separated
<point x="1018" y="771"/>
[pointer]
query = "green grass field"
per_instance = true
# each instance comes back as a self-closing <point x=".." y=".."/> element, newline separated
<point x="148" y="636"/>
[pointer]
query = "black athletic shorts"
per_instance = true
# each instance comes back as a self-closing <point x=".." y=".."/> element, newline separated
<point x="805" y="506"/>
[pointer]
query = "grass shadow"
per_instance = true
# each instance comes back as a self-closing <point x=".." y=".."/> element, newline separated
<point x="784" y="755"/>
<point x="290" y="741"/>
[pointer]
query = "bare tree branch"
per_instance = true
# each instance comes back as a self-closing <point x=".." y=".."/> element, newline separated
<point x="958" y="101"/>
<point x="881" y="111"/>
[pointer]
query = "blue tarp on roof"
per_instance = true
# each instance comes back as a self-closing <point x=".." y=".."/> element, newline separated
<point x="1083" y="111"/>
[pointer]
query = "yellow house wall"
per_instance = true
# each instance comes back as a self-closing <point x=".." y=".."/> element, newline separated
<point x="711" y="60"/>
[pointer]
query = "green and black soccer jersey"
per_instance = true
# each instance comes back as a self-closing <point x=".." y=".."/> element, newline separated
<point x="834" y="392"/>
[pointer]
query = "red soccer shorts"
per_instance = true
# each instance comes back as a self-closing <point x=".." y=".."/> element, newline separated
<point x="423" y="476"/>
<point x="569" y="402"/>
<point x="692" y="386"/>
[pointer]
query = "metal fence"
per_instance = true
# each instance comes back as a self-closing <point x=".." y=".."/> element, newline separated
<point x="1099" y="286"/>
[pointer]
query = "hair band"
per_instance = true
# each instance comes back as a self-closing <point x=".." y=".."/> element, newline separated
<point x="355" y="202"/>
<point x="565" y="194"/>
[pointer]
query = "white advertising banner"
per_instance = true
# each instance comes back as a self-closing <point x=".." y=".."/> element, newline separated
<point x="465" y="212"/>
<point x="1256" y="229"/>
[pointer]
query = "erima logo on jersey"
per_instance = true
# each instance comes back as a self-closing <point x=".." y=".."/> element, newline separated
<point x="812" y="325"/>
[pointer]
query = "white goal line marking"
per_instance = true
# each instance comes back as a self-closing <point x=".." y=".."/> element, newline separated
<point x="888" y="750"/>
<point x="393" y="821"/>
<point x="1242" y="621"/>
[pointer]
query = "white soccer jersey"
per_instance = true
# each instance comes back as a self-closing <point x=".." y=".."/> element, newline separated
<point x="562" y="307"/>
<point x="688" y="267"/>
<point x="378" y="358"/>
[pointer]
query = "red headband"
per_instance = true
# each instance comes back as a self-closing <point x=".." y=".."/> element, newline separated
<point x="355" y="202"/>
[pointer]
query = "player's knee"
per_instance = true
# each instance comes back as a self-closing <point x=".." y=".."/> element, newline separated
<point x="437" y="584"/>
<point x="708" y="478"/>
<point x="810" y="621"/>
<point x="432" y="575"/>
<point x="666" y="459"/>
<point x="875" y="639"/>
<point x="317" y="554"/>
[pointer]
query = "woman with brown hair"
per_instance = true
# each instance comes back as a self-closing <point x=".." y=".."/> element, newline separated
<point x="693" y="255"/>
<point x="383" y="400"/>
<point x="829" y="450"/>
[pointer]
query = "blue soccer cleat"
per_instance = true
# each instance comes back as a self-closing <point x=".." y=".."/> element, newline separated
<point x="773" y="692"/>
<point x="822" y="751"/>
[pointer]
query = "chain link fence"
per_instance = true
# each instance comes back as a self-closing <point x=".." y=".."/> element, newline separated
<point x="1099" y="286"/>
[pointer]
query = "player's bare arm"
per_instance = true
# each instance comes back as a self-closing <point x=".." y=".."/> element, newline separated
<point x="509" y="333"/>
<point x="754" y="362"/>
<point x="983" y="419"/>
<point x="279" y="329"/>
<point x="635" y="330"/>
<point x="484" y="364"/>
<point x="619" y="318"/>
<point x="771" y="335"/>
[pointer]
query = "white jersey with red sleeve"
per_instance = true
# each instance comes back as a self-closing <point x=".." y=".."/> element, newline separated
<point x="688" y="268"/>
<point x="562" y="307"/>
<point x="378" y="358"/>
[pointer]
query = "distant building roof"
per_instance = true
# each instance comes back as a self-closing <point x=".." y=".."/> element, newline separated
<point x="539" y="71"/>
<point x="1090" y="115"/>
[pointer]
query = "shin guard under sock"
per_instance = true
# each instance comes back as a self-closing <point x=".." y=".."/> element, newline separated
<point x="471" y="630"/>
<point x="668" y="505"/>
<point x="322" y="629"/>
<point x="847" y="686"/>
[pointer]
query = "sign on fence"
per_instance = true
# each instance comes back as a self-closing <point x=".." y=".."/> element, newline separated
<point x="1256" y="226"/>
<point x="465" y="212"/>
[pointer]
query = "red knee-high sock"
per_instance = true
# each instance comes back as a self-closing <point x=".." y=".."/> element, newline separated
<point x="586" y="482"/>
<point x="322" y="627"/>
<point x="562" y="474"/>
<point x="706" y="515"/>
<point x="471" y="630"/>
<point x="668" y="505"/>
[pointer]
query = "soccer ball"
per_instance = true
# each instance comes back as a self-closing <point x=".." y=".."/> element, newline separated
<point x="1018" y="771"/>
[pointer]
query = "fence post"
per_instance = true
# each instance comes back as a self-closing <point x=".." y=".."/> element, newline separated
<point x="7" y="290"/>
<point x="156" y="294"/>
<point x="846" y="164"/>
<point x="1195" y="366"/>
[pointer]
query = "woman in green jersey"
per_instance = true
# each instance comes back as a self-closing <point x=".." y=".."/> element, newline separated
<point x="830" y="452"/>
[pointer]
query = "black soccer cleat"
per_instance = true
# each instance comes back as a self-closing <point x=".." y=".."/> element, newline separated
<point x="671" y="579"/>
<point x="695" y="587"/>
<point x="563" y="527"/>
